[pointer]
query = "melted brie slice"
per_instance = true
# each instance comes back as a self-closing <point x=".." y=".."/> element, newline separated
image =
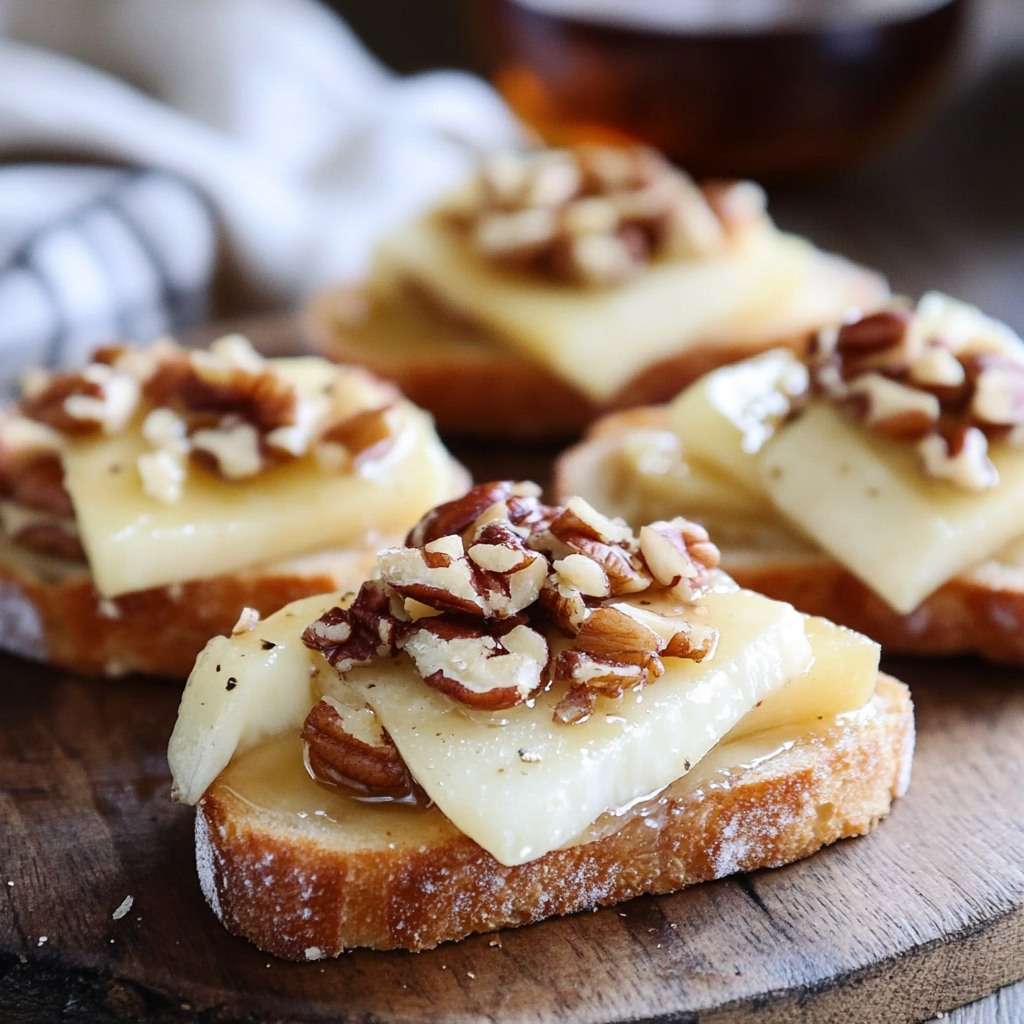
<point x="867" y="503"/>
<point x="598" y="339"/>
<point x="219" y="526"/>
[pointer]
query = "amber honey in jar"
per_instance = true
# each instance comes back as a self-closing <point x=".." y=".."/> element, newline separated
<point x="757" y="87"/>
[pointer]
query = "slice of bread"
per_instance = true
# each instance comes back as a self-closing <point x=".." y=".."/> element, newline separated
<point x="50" y="610"/>
<point x="301" y="891"/>
<point x="476" y="388"/>
<point x="978" y="612"/>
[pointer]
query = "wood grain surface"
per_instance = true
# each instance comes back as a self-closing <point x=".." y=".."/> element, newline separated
<point x="925" y="914"/>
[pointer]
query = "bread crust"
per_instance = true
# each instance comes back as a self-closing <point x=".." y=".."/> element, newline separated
<point x="302" y="899"/>
<point x="52" y="612"/>
<point x="978" y="612"/>
<point x="474" y="388"/>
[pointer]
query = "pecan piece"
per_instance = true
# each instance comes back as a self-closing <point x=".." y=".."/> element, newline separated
<point x="346" y="747"/>
<point x="442" y="577"/>
<point x="894" y="409"/>
<point x="960" y="456"/>
<point x="997" y="399"/>
<point x="482" y="668"/>
<point x="518" y="499"/>
<point x="359" y="634"/>
<point x="680" y="555"/>
<point x="37" y="482"/>
<point x="365" y="435"/>
<point x="50" y="539"/>
<point x="94" y="398"/>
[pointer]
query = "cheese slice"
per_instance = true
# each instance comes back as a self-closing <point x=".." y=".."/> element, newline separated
<point x="662" y="476"/>
<point x="598" y="339"/>
<point x="725" y="418"/>
<point x="134" y="541"/>
<point x="867" y="503"/>
<point x="841" y="678"/>
<point x="243" y="690"/>
<point x="520" y="785"/>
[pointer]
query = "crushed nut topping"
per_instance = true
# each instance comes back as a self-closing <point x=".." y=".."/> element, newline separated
<point x="942" y="375"/>
<point x="484" y="580"/>
<point x="226" y="408"/>
<point x="596" y="215"/>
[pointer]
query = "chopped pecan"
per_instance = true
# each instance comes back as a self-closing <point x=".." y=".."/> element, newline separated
<point x="878" y="341"/>
<point x="359" y="634"/>
<point x="959" y="456"/>
<point x="262" y="398"/>
<point x="565" y="604"/>
<point x="440" y="576"/>
<point x="456" y="517"/>
<point x="997" y="398"/>
<point x="618" y="637"/>
<point x="608" y="542"/>
<point x="347" y="748"/>
<point x="50" y="538"/>
<point x="233" y="448"/>
<point x="582" y="574"/>
<point x="36" y="482"/>
<point x="94" y="398"/>
<point x="894" y="409"/>
<point x="680" y="555"/>
<point x="475" y="665"/>
<point x="365" y="435"/>
<point x="578" y="703"/>
<point x="590" y="215"/>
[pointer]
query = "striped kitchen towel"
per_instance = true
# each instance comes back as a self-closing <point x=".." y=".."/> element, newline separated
<point x="93" y="254"/>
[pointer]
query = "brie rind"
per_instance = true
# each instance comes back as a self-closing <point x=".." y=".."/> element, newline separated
<point x="134" y="542"/>
<point x="598" y="339"/>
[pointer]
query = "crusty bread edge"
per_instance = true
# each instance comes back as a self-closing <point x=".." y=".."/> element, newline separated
<point x="64" y="621"/>
<point x="299" y="899"/>
<point x="980" y="612"/>
<point x="483" y="391"/>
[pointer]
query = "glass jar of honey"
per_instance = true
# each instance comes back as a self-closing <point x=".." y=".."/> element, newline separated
<point x="766" y="88"/>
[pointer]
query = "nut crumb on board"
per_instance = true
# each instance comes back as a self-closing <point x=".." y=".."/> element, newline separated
<point x="122" y="908"/>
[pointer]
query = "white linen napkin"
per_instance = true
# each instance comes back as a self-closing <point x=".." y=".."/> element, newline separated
<point x="304" y="146"/>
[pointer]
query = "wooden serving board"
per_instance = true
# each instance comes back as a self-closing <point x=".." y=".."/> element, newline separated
<point x="925" y="914"/>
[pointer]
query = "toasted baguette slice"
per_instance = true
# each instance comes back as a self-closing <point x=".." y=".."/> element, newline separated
<point x="50" y="610"/>
<point x="978" y="612"/>
<point x="302" y="892"/>
<point x="476" y="388"/>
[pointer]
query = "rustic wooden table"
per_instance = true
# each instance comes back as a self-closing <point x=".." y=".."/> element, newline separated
<point x="924" y="915"/>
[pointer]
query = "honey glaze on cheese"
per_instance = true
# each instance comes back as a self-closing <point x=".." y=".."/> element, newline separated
<point x="271" y="780"/>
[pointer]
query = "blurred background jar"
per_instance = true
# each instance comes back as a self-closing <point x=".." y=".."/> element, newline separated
<point x="766" y="88"/>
